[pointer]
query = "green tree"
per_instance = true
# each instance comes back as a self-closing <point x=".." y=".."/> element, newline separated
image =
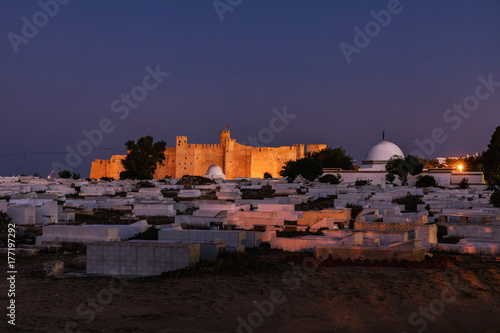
<point x="495" y="198"/>
<point x="464" y="184"/>
<point x="426" y="181"/>
<point x="450" y="162"/>
<point x="267" y="175"/>
<point x="143" y="158"/>
<point x="410" y="202"/>
<point x="306" y="167"/>
<point x="475" y="162"/>
<point x="401" y="167"/>
<point x="491" y="160"/>
<point x="355" y="211"/>
<point x="145" y="184"/>
<point x="431" y="163"/>
<point x="333" y="158"/>
<point x="64" y="174"/>
<point x="470" y="163"/>
<point x="361" y="182"/>
<point x="332" y="179"/>
<point x="75" y="176"/>
<point x="390" y="177"/>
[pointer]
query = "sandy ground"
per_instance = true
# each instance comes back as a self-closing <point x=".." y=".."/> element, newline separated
<point x="465" y="298"/>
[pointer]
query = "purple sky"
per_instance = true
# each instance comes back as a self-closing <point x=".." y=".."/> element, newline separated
<point x="263" y="55"/>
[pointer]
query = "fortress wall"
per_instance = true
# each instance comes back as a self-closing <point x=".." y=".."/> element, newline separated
<point x="314" y="148"/>
<point x="272" y="160"/>
<point x="116" y="166"/>
<point x="168" y="167"/>
<point x="299" y="151"/>
<point x="107" y="168"/>
<point x="205" y="157"/>
<point x="184" y="156"/>
<point x="238" y="159"/>
<point x="194" y="159"/>
<point x="260" y="162"/>
<point x="285" y="154"/>
<point x="99" y="169"/>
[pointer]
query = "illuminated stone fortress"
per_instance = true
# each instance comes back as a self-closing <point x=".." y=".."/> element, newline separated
<point x="236" y="160"/>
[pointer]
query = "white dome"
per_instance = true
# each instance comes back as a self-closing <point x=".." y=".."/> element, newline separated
<point x="215" y="172"/>
<point x="383" y="151"/>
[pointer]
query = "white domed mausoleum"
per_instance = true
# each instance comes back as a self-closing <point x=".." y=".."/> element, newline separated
<point x="373" y="170"/>
<point x="376" y="158"/>
<point x="215" y="172"/>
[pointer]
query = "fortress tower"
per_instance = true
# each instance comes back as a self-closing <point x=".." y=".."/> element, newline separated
<point x="224" y="136"/>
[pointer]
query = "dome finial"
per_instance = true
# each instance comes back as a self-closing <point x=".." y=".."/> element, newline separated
<point x="383" y="135"/>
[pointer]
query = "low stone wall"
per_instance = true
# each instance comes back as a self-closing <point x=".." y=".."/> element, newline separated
<point x="249" y="219"/>
<point x="90" y="233"/>
<point x="383" y="226"/>
<point x="410" y="250"/>
<point x="312" y="217"/>
<point x="154" y="210"/>
<point x="140" y="258"/>
<point x="312" y="242"/>
<point x="491" y="233"/>
<point x="230" y="237"/>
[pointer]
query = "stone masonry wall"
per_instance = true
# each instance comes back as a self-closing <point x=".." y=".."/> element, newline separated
<point x="236" y="160"/>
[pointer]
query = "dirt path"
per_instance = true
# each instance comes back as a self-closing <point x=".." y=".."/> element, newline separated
<point x="465" y="298"/>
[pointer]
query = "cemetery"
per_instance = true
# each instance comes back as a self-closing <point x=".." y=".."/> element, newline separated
<point x="250" y="166"/>
<point x="195" y="243"/>
<point x="209" y="243"/>
<point x="220" y="216"/>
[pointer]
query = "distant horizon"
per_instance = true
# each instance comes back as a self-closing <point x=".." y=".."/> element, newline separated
<point x="336" y="73"/>
<point x="110" y="153"/>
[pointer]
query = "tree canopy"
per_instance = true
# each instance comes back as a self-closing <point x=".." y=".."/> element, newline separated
<point x="495" y="198"/>
<point x="491" y="159"/>
<point x="470" y="163"/>
<point x="67" y="174"/>
<point x="411" y="202"/>
<point x="64" y="174"/>
<point x="401" y="167"/>
<point x="308" y="168"/>
<point x="332" y="179"/>
<point x="431" y="163"/>
<point x="333" y="158"/>
<point x="142" y="158"/>
<point x="426" y="181"/>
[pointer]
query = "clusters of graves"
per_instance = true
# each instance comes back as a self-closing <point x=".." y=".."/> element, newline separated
<point x="198" y="222"/>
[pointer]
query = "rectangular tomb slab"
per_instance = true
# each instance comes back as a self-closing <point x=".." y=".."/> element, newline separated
<point x="230" y="237"/>
<point x="211" y="250"/>
<point x="411" y="250"/>
<point x="90" y="233"/>
<point x="140" y="257"/>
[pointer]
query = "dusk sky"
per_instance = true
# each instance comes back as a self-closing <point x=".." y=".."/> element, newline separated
<point x="263" y="55"/>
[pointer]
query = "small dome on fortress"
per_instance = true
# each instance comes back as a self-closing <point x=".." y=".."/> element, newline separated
<point x="215" y="172"/>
